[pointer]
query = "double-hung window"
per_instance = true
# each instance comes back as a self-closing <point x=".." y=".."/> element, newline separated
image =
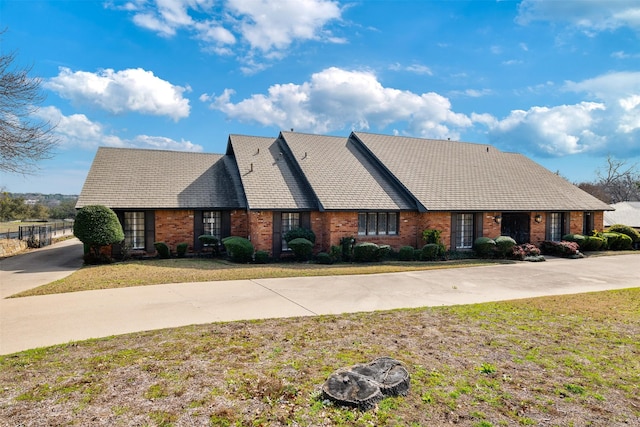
<point x="212" y="221"/>
<point x="289" y="221"/>
<point x="377" y="223"/>
<point x="134" y="229"/>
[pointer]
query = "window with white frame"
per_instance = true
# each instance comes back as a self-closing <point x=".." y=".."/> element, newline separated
<point x="555" y="226"/>
<point x="377" y="223"/>
<point x="464" y="230"/>
<point x="290" y="221"/>
<point x="134" y="229"/>
<point x="212" y="221"/>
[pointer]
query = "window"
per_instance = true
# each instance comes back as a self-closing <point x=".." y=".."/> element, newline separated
<point x="555" y="226"/>
<point x="464" y="228"/>
<point x="134" y="229"/>
<point x="290" y="221"/>
<point x="587" y="223"/>
<point x="377" y="223"/>
<point x="212" y="221"/>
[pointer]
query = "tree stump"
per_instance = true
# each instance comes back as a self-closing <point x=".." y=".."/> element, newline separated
<point x="364" y="385"/>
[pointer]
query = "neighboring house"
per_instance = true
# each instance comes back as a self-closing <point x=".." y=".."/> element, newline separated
<point x="626" y="213"/>
<point x="377" y="188"/>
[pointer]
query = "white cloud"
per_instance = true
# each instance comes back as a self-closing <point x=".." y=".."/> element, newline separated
<point x="131" y="90"/>
<point x="335" y="99"/>
<point x="608" y="121"/>
<point x="413" y="68"/>
<point x="262" y="26"/>
<point x="587" y="15"/>
<point x="77" y="131"/>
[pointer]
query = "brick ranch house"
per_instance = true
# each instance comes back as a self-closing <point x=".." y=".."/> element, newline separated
<point x="376" y="188"/>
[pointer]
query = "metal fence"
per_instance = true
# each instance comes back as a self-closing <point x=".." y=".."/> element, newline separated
<point x="36" y="236"/>
<point x="56" y="229"/>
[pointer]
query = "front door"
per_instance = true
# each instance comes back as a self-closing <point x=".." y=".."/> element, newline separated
<point x="516" y="226"/>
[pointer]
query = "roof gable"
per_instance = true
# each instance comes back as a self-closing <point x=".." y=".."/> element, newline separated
<point x="129" y="178"/>
<point x="460" y="176"/>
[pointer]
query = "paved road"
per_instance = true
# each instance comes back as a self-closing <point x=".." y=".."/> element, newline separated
<point x="46" y="320"/>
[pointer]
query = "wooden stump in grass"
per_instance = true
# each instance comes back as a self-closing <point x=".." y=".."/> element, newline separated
<point x="364" y="385"/>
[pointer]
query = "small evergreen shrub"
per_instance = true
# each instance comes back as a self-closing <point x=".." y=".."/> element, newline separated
<point x="181" y="249"/>
<point x="578" y="238"/>
<point x="406" y="253"/>
<point x="297" y="233"/>
<point x="324" y="258"/>
<point x="384" y="252"/>
<point x="417" y="255"/>
<point x="261" y="257"/>
<point x="347" y="243"/>
<point x="162" y="249"/>
<point x="504" y="246"/>
<point x="301" y="248"/>
<point x="432" y="236"/>
<point x="618" y="241"/>
<point x="97" y="226"/>
<point x="239" y="249"/>
<point x="626" y="230"/>
<point x="484" y="247"/>
<point x="592" y="243"/>
<point x="335" y="253"/>
<point x="431" y="252"/>
<point x="207" y="240"/>
<point x="365" y="252"/>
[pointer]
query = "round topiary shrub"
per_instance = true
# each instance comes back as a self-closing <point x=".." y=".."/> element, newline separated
<point x="431" y="252"/>
<point x="181" y="249"/>
<point x="592" y="243"/>
<point x="406" y="253"/>
<point x="324" y="258"/>
<point x="162" y="249"/>
<point x="504" y="246"/>
<point x="577" y="238"/>
<point x="365" y="252"/>
<point x="484" y="247"/>
<point x="301" y="248"/>
<point x="239" y="249"/>
<point x="626" y="230"/>
<point x="97" y="226"/>
<point x="296" y="233"/>
<point x="618" y="241"/>
<point x="261" y="257"/>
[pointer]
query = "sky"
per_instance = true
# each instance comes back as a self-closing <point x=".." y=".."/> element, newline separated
<point x="557" y="81"/>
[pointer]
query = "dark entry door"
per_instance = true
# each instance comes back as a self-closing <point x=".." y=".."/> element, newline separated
<point x="516" y="226"/>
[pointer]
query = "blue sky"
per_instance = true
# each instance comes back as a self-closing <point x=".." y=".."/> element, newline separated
<point x="558" y="81"/>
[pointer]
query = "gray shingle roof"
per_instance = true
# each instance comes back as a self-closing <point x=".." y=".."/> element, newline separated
<point x="146" y="179"/>
<point x="459" y="176"/>
<point x="627" y="213"/>
<point x="342" y="176"/>
<point x="267" y="176"/>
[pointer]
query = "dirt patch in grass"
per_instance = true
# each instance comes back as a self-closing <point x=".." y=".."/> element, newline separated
<point x="156" y="272"/>
<point x="554" y="361"/>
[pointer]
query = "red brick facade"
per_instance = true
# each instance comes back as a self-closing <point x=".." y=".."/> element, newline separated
<point x="176" y="226"/>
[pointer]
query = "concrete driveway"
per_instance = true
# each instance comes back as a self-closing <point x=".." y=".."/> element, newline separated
<point x="54" y="319"/>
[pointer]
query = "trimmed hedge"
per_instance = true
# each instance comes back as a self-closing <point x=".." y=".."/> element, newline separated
<point x="97" y="226"/>
<point x="593" y="243"/>
<point x="207" y="239"/>
<point x="504" y="246"/>
<point x="431" y="252"/>
<point x="297" y="233"/>
<point x="261" y="257"/>
<point x="626" y="230"/>
<point x="577" y="238"/>
<point x="181" y="249"/>
<point x="406" y="253"/>
<point x="301" y="248"/>
<point x="162" y="249"/>
<point x="484" y="247"/>
<point x="618" y="241"/>
<point x="324" y="258"/>
<point x="239" y="249"/>
<point x="366" y="252"/>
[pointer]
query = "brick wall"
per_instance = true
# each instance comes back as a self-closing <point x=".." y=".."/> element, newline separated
<point x="538" y="230"/>
<point x="261" y="230"/>
<point x="239" y="223"/>
<point x="174" y="227"/>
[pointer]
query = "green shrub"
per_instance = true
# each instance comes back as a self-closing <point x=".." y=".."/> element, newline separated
<point x="431" y="252"/>
<point x="626" y="230"/>
<point x="365" y="252"/>
<point x="181" y="249"/>
<point x="484" y="247"/>
<point x="300" y="233"/>
<point x="239" y="249"/>
<point x="577" y="238"/>
<point x="384" y="252"/>
<point x="504" y="246"/>
<point x="417" y="255"/>
<point x="347" y="243"/>
<point x="97" y="226"/>
<point x="406" y="253"/>
<point x="617" y="241"/>
<point x="324" y="258"/>
<point x="335" y="253"/>
<point x="301" y="248"/>
<point x="208" y="240"/>
<point x="162" y="249"/>
<point x="592" y="243"/>
<point x="261" y="257"/>
<point x="432" y="236"/>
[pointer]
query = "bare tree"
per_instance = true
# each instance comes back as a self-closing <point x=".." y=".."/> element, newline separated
<point x="24" y="138"/>
<point x="620" y="180"/>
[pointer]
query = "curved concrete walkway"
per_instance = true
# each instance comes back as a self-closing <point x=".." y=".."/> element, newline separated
<point x="54" y="319"/>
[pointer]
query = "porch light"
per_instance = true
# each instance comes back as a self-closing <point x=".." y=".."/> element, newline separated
<point x="538" y="218"/>
<point x="497" y="219"/>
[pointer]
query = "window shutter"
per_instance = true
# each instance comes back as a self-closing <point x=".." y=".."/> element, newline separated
<point x="198" y="229"/>
<point x="276" y="244"/>
<point x="149" y="230"/>
<point x="454" y="231"/>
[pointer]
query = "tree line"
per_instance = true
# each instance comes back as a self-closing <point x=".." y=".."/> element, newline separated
<point x="14" y="208"/>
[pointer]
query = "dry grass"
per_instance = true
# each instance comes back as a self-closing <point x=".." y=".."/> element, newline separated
<point x="156" y="271"/>
<point x="555" y="361"/>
